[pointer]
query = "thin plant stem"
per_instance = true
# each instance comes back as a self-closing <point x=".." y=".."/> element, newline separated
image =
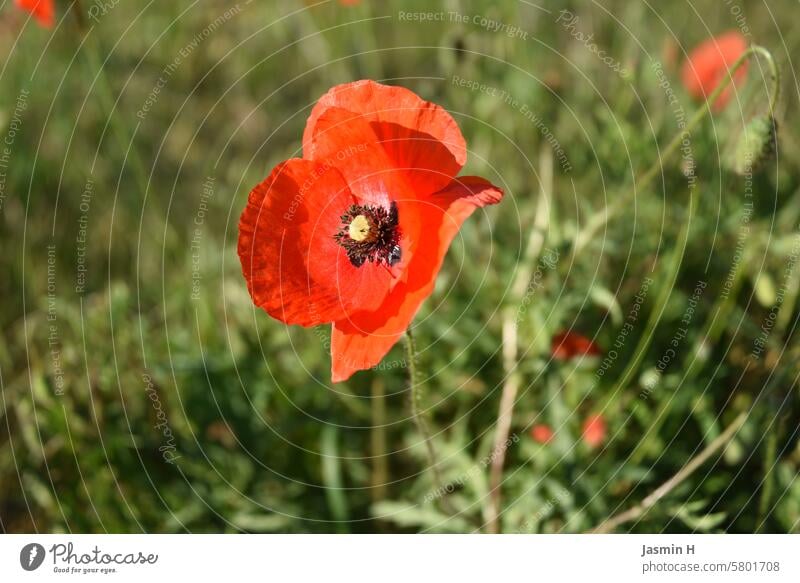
<point x="771" y="455"/>
<point x="380" y="471"/>
<point x="513" y="379"/>
<point x="504" y="418"/>
<point x="632" y="514"/>
<point x="768" y="483"/>
<point x="422" y="425"/>
<point x="670" y="278"/>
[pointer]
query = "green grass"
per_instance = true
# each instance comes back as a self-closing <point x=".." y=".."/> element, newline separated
<point x="259" y="438"/>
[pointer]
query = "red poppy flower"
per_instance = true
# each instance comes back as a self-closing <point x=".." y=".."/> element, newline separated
<point x="709" y="64"/>
<point x="355" y="232"/>
<point x="594" y="430"/>
<point x="541" y="433"/>
<point x="568" y="345"/>
<point x="43" y="10"/>
<point x="349" y="2"/>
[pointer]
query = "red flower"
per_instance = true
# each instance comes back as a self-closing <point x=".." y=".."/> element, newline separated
<point x="708" y="65"/>
<point x="355" y="232"/>
<point x="541" y="433"/>
<point x="43" y="10"/>
<point x="594" y="430"/>
<point x="567" y="345"/>
<point x="349" y="2"/>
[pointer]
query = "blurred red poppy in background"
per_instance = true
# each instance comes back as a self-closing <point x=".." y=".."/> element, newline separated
<point x="349" y="2"/>
<point x="355" y="232"/>
<point x="709" y="64"/>
<point x="541" y="433"/>
<point x="567" y="345"/>
<point x="43" y="10"/>
<point x="594" y="430"/>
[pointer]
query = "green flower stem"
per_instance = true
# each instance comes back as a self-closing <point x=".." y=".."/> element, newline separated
<point x="418" y="416"/>
<point x="784" y="317"/>
<point x="380" y="470"/>
<point x="513" y="378"/>
<point x="585" y="236"/>
<point x="670" y="278"/>
<point x="768" y="482"/>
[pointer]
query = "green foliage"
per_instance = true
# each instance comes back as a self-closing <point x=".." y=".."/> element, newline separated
<point x="157" y="398"/>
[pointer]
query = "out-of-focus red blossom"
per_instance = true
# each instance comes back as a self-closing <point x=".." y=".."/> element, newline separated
<point x="568" y="345"/>
<point x="43" y="10"/>
<point x="594" y="430"/>
<point x="709" y="64"/>
<point x="355" y="232"/>
<point x="541" y="433"/>
<point x="349" y="2"/>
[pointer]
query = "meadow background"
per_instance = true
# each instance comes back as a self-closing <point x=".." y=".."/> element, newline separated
<point x="141" y="391"/>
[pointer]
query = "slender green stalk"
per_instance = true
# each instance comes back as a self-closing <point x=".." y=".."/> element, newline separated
<point x="422" y="425"/>
<point x="380" y="471"/>
<point x="504" y="418"/>
<point x="784" y="317"/>
<point x="670" y="278"/>
<point x="513" y="378"/>
<point x="768" y="483"/>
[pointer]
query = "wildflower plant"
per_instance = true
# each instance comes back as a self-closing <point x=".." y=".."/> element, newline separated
<point x="386" y="267"/>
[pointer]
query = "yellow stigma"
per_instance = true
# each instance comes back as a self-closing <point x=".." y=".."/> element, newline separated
<point x="360" y="229"/>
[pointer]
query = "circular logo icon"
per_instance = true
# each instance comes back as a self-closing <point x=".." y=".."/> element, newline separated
<point x="31" y="556"/>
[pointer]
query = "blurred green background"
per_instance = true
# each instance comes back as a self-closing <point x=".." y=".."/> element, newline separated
<point x="141" y="391"/>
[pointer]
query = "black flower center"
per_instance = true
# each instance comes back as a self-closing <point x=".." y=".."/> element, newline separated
<point x="370" y="233"/>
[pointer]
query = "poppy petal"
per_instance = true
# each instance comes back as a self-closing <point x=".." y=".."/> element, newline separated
<point x="708" y="65"/>
<point x="42" y="10"/>
<point x="294" y="268"/>
<point x="351" y="145"/>
<point x="566" y="345"/>
<point x="345" y="140"/>
<point x="362" y="340"/>
<point x="542" y="433"/>
<point x="594" y="430"/>
<point x="421" y="138"/>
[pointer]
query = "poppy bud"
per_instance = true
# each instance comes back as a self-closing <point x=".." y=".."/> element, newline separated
<point x="764" y="289"/>
<point x="594" y="430"/>
<point x="757" y="141"/>
<point x="542" y="433"/>
<point x="708" y="65"/>
<point x="568" y="345"/>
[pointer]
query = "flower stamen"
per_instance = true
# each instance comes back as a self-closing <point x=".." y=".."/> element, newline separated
<point x="362" y="229"/>
<point x="370" y="233"/>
